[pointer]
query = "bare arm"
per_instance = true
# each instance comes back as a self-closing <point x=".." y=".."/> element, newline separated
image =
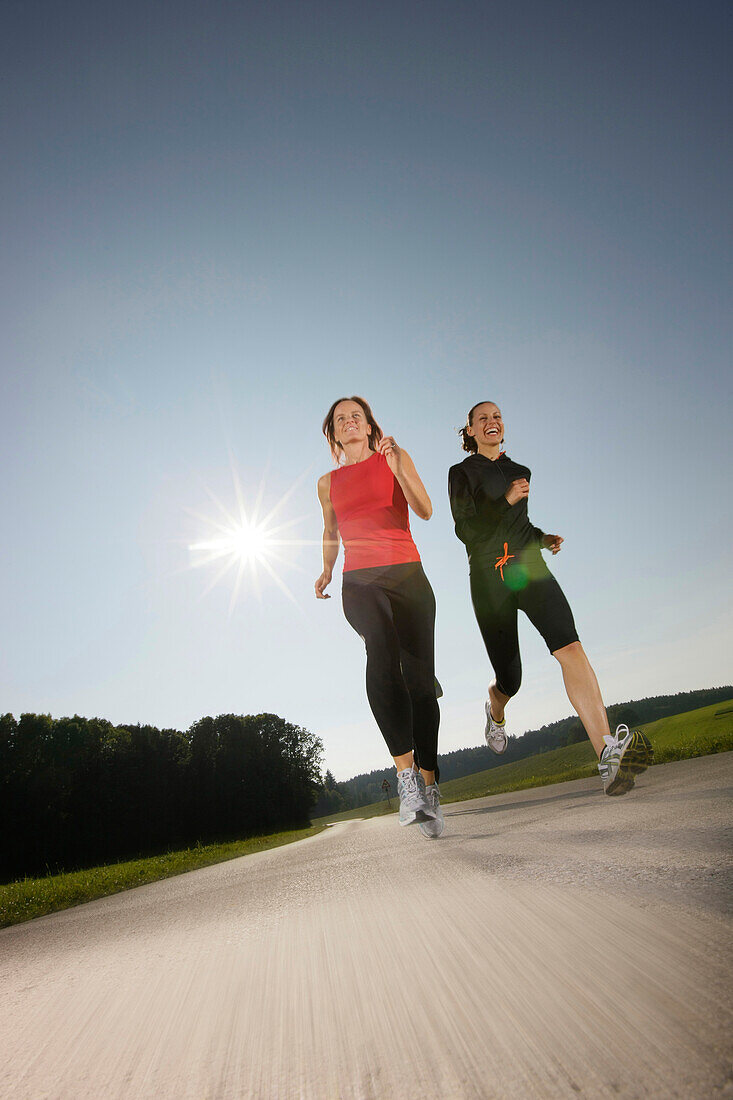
<point x="404" y="470"/>
<point x="331" y="538"/>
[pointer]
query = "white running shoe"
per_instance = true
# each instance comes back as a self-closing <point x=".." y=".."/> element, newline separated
<point x="627" y="753"/>
<point x="433" y="829"/>
<point x="495" y="732"/>
<point x="414" y="806"/>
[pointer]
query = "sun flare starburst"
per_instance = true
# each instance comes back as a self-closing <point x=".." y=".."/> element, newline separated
<point x="244" y="541"/>
<point x="240" y="541"/>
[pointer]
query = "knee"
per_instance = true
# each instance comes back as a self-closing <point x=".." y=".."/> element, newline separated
<point x="569" y="653"/>
<point x="419" y="675"/>
<point x="509" y="682"/>
<point x="383" y="668"/>
<point x="422" y="687"/>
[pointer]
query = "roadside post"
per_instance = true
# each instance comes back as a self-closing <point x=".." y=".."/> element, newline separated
<point x="386" y="787"/>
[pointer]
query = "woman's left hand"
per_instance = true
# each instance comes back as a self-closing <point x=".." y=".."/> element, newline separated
<point x="389" y="448"/>
<point x="552" y="543"/>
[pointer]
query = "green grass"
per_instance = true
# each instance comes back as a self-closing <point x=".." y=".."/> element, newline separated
<point x="556" y="766"/>
<point x="35" y="897"/>
<point x="696" y="733"/>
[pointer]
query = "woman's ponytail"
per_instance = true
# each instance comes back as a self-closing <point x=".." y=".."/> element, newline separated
<point x="467" y="441"/>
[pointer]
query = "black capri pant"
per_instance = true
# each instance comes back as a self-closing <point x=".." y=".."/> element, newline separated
<point x="529" y="586"/>
<point x="392" y="608"/>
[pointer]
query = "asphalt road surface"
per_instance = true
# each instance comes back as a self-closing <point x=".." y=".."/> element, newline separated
<point x="554" y="943"/>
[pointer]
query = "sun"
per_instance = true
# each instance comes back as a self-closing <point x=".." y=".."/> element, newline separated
<point x="246" y="542"/>
<point x="241" y="542"/>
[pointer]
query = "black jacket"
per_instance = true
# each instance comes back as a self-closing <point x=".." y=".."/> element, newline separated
<point x="483" y="517"/>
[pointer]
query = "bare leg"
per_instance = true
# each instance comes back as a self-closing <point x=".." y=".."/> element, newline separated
<point x="498" y="701"/>
<point x="584" y="693"/>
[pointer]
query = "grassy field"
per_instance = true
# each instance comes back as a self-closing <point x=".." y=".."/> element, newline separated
<point x="696" y="733"/>
<point x="35" y="897"/>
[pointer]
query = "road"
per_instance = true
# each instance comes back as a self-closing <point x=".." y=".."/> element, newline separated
<point x="554" y="943"/>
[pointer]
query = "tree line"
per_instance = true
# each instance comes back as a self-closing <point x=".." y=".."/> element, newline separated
<point x="364" y="789"/>
<point x="78" y="792"/>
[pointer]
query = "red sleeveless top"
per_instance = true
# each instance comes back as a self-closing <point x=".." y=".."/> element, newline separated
<point x="372" y="515"/>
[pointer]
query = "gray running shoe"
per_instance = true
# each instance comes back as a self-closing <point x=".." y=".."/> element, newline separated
<point x="495" y="732"/>
<point x="414" y="806"/>
<point x="433" y="829"/>
<point x="627" y="754"/>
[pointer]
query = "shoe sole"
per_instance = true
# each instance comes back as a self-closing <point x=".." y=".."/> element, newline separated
<point x="420" y="816"/>
<point x="497" y="752"/>
<point x="639" y="755"/>
<point x="621" y="784"/>
<point x="636" y="758"/>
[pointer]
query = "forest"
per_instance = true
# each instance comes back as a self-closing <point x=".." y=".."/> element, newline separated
<point x="79" y="792"/>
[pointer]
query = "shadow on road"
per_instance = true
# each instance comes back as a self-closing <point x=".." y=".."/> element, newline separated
<point x="524" y="804"/>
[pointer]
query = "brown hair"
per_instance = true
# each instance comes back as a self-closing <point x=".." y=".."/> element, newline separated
<point x="468" y="441"/>
<point x="328" y="429"/>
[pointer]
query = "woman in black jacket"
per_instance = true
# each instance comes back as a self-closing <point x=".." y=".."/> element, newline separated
<point x="488" y="496"/>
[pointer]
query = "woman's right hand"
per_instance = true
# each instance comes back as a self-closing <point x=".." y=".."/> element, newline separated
<point x="323" y="581"/>
<point x="518" y="490"/>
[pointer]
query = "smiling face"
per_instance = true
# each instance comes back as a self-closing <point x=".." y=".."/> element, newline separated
<point x="350" y="423"/>
<point x="350" y="420"/>
<point x="486" y="425"/>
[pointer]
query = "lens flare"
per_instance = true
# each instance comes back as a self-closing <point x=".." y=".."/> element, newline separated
<point x="242" y="542"/>
<point x="516" y="577"/>
<point x="247" y="541"/>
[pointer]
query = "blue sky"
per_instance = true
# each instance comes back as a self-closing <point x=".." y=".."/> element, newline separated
<point x="219" y="217"/>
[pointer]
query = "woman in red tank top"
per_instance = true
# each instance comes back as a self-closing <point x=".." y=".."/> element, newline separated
<point x="387" y="598"/>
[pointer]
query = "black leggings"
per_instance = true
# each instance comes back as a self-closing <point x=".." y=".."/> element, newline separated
<point x="392" y="608"/>
<point x="528" y="586"/>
